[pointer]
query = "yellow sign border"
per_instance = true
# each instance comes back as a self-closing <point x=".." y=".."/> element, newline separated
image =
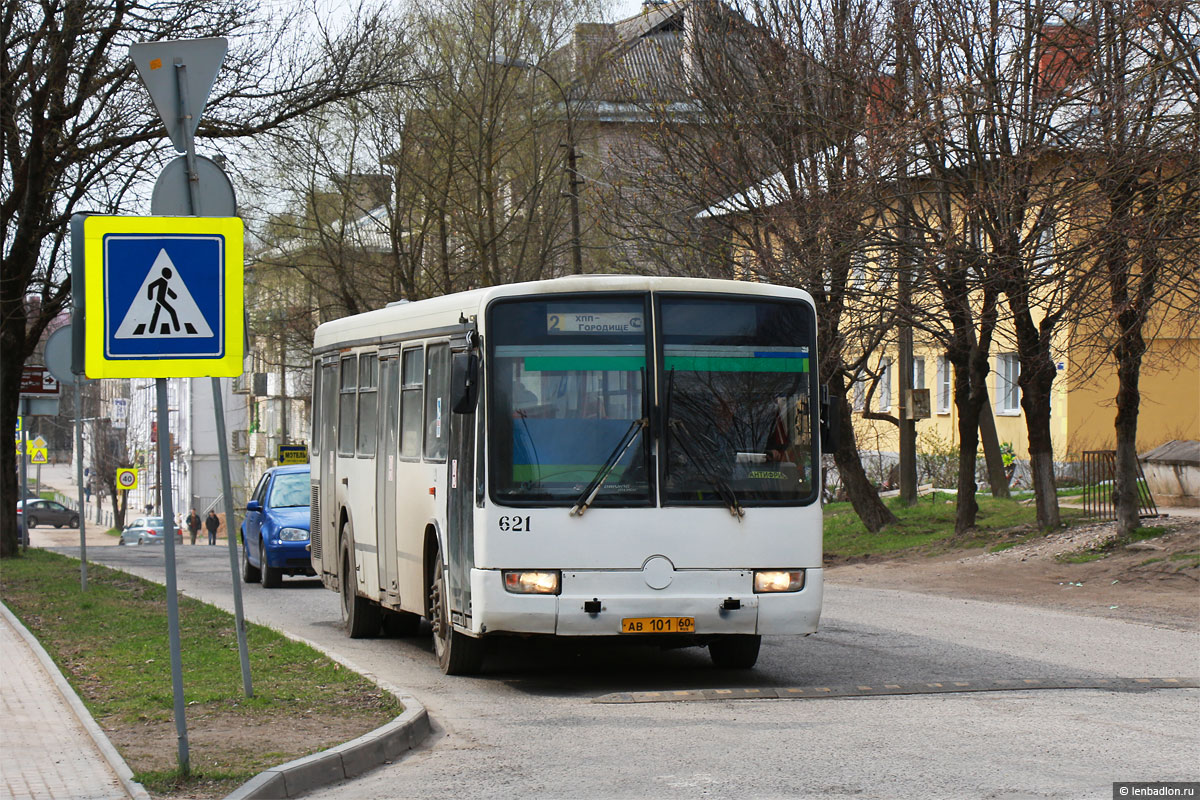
<point x="97" y="365"/>
<point x="293" y="461"/>
<point x="121" y="488"/>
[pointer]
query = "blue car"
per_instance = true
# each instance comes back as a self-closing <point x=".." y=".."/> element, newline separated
<point x="275" y="530"/>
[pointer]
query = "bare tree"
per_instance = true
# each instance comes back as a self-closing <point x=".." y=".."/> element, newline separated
<point x="990" y="139"/>
<point x="1137" y="116"/>
<point x="455" y="181"/>
<point x="762" y="162"/>
<point x="79" y="132"/>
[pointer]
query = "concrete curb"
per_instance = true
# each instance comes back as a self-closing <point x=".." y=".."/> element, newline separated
<point x="343" y="762"/>
<point x="348" y="760"/>
<point x="110" y="754"/>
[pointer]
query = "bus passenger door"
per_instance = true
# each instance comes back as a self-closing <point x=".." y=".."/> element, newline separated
<point x="460" y="505"/>
<point x="385" y="475"/>
<point x="325" y="541"/>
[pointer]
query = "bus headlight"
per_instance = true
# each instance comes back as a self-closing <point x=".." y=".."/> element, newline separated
<point x="540" y="582"/>
<point x="775" y="580"/>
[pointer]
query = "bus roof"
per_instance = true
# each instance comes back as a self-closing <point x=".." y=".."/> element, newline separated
<point x="437" y="313"/>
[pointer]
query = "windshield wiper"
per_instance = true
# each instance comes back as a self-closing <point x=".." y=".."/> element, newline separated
<point x="589" y="494"/>
<point x="537" y="461"/>
<point x="705" y="470"/>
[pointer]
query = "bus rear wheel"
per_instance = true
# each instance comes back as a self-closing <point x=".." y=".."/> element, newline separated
<point x="735" y="651"/>
<point x="360" y="616"/>
<point x="457" y="653"/>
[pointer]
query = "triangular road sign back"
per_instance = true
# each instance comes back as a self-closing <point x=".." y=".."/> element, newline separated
<point x="163" y="308"/>
<point x="155" y="62"/>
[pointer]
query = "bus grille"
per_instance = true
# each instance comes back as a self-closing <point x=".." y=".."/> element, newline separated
<point x="314" y="522"/>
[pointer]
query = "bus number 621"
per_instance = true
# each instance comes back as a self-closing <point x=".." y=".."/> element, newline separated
<point x="515" y="524"/>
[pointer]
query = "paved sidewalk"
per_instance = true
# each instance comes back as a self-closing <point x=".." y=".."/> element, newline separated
<point x="46" y="752"/>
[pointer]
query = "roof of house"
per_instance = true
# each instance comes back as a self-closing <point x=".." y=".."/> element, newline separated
<point x="1184" y="452"/>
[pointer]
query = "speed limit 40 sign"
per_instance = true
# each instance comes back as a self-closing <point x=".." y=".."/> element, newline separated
<point x="126" y="479"/>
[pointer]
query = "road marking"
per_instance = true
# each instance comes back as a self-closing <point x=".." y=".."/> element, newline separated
<point x="902" y="689"/>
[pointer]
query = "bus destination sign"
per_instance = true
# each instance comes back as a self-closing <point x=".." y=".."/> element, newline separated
<point x="598" y="322"/>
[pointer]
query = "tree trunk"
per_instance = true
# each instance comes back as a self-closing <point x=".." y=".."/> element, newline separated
<point x="968" y="443"/>
<point x="10" y="377"/>
<point x="863" y="495"/>
<point x="1041" y="458"/>
<point x="1129" y="351"/>
<point x="997" y="477"/>
<point x="1036" y="380"/>
<point x="12" y="343"/>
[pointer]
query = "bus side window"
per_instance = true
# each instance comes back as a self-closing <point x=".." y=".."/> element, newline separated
<point x="413" y="375"/>
<point x="368" y="404"/>
<point x="437" y="409"/>
<point x="346" y="406"/>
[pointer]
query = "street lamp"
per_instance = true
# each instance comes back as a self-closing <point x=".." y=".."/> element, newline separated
<point x="572" y="174"/>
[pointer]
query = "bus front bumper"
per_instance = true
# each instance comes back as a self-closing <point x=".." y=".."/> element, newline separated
<point x="720" y="602"/>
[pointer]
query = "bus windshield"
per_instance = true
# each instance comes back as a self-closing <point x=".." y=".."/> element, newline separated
<point x="736" y="397"/>
<point x="567" y="382"/>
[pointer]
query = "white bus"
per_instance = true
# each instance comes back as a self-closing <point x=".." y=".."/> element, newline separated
<point x="621" y="456"/>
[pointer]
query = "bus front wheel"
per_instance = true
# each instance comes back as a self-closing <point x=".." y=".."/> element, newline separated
<point x="360" y="616"/>
<point x="735" y="651"/>
<point x="457" y="653"/>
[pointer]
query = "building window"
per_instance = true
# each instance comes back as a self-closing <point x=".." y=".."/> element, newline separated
<point x="885" y="266"/>
<point x="858" y="392"/>
<point x="885" y="385"/>
<point x="858" y="269"/>
<point x="918" y="376"/>
<point x="1043" y="256"/>
<point x="945" y="370"/>
<point x="1008" y="392"/>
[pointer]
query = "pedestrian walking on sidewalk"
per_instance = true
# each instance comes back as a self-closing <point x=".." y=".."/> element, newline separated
<point x="212" y="523"/>
<point x="193" y="524"/>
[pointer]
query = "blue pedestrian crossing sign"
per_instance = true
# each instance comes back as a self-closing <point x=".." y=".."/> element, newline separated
<point x="163" y="297"/>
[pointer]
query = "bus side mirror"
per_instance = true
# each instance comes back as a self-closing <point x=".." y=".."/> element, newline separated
<point x="830" y="429"/>
<point x="464" y="382"/>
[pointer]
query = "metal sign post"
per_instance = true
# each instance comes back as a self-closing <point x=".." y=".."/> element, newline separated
<point x="79" y="481"/>
<point x="168" y="511"/>
<point x="221" y="203"/>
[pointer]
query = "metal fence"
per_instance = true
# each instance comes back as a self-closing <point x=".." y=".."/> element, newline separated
<point x="1099" y="477"/>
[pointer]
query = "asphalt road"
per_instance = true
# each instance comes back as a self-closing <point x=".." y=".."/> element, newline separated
<point x="536" y="724"/>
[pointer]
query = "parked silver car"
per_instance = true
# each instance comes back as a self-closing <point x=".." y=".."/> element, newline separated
<point x="47" y="512"/>
<point x="147" y="530"/>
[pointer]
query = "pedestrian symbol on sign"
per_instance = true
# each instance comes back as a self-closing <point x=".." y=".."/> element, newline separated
<point x="163" y="307"/>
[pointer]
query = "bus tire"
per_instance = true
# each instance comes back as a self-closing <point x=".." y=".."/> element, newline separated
<point x="457" y="653"/>
<point x="738" y="651"/>
<point x="360" y="616"/>
<point x="400" y="623"/>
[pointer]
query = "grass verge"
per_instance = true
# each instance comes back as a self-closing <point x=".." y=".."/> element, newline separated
<point x="111" y="644"/>
<point x="928" y="527"/>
